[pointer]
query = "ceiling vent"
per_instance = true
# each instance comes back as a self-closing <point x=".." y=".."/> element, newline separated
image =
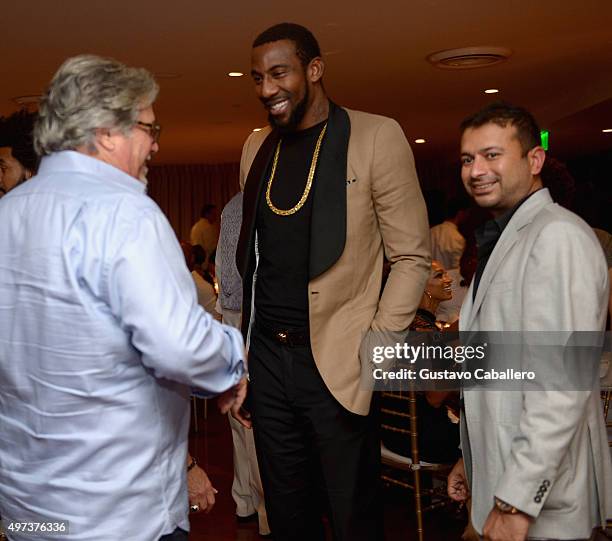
<point x="469" y="57"/>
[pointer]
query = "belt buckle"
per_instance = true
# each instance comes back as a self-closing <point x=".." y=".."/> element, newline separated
<point x="282" y="337"/>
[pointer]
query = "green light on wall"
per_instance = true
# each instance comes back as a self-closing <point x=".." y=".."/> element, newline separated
<point x="544" y="138"/>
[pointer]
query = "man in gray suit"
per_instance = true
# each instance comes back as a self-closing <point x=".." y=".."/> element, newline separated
<point x="537" y="463"/>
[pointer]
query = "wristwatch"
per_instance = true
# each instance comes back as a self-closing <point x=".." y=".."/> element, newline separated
<point x="192" y="464"/>
<point x="505" y="508"/>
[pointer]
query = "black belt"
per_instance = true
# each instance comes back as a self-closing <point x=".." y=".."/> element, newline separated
<point x="286" y="337"/>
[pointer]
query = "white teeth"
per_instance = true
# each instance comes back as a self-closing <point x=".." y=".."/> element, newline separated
<point x="482" y="186"/>
<point x="277" y="107"/>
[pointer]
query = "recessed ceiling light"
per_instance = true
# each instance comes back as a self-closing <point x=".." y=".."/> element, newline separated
<point x="491" y="91"/>
<point x="257" y="129"/>
<point x="607" y="130"/>
<point x="235" y="74"/>
<point x="419" y="141"/>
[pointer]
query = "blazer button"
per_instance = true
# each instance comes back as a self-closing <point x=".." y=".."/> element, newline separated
<point x="546" y="483"/>
<point x="537" y="499"/>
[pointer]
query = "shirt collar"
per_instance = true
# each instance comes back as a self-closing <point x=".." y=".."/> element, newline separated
<point x="77" y="162"/>
<point x="490" y="231"/>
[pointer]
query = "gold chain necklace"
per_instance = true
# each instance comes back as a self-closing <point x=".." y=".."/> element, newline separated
<point x="311" y="172"/>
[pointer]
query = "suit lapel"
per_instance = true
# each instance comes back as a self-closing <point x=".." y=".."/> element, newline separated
<point x="522" y="217"/>
<point x="505" y="242"/>
<point x="252" y="191"/>
<point x="328" y="221"/>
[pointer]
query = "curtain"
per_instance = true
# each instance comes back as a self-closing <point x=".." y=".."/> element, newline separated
<point x="182" y="190"/>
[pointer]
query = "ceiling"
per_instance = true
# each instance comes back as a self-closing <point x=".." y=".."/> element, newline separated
<point x="375" y="53"/>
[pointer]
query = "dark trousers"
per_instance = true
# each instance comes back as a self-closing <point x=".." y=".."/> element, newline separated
<point x="176" y="535"/>
<point x="315" y="457"/>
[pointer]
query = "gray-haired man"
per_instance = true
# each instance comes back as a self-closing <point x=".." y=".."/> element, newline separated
<point x="101" y="335"/>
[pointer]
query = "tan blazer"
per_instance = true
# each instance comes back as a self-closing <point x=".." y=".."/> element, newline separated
<point x="542" y="451"/>
<point x="367" y="202"/>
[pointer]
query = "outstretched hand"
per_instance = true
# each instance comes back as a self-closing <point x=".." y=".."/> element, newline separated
<point x="232" y="400"/>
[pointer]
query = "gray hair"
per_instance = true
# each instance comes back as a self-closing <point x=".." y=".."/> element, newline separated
<point x="90" y="92"/>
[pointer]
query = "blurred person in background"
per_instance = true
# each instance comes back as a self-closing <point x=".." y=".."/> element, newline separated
<point x="18" y="160"/>
<point x="205" y="232"/>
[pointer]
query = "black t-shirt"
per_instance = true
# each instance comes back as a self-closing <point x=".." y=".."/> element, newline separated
<point x="281" y="290"/>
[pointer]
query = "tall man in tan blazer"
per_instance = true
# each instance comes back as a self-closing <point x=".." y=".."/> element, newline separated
<point x="328" y="192"/>
<point x="536" y="462"/>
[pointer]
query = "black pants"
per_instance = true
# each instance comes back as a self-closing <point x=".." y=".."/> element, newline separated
<point x="314" y="456"/>
<point x="176" y="535"/>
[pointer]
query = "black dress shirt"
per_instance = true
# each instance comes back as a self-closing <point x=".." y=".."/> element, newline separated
<point x="487" y="237"/>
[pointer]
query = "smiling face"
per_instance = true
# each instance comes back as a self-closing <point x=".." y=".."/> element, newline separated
<point x="495" y="170"/>
<point x="133" y="151"/>
<point x="284" y="84"/>
<point x="439" y="283"/>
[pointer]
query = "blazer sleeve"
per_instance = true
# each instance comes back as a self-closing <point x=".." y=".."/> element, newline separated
<point x="402" y="219"/>
<point x="249" y="151"/>
<point x="565" y="282"/>
<point x="245" y="164"/>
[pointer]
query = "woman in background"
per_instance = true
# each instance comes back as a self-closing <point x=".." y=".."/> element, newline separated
<point x="437" y="421"/>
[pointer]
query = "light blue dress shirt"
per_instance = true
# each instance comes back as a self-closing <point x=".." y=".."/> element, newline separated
<point x="101" y="337"/>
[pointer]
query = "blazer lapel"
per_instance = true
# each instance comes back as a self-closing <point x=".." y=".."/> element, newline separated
<point x="252" y="191"/>
<point x="328" y="221"/>
<point x="522" y="217"/>
<point x="505" y="242"/>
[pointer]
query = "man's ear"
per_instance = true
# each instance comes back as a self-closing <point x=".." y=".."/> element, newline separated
<point x="315" y="69"/>
<point x="27" y="173"/>
<point x="536" y="157"/>
<point x="105" y="139"/>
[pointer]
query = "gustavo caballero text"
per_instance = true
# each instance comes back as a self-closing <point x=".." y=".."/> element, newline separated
<point x="428" y="374"/>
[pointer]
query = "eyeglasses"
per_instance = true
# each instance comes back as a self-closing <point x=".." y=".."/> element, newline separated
<point x="153" y="129"/>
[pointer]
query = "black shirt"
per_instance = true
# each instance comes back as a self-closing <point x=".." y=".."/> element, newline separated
<point x="487" y="237"/>
<point x="283" y="242"/>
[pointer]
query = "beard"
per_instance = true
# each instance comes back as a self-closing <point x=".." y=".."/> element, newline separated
<point x="294" y="119"/>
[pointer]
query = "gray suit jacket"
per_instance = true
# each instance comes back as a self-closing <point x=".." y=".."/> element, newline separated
<point x="545" y="452"/>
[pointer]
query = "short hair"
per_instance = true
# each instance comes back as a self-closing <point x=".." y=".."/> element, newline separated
<point x="16" y="131"/>
<point x="206" y="210"/>
<point x="89" y="92"/>
<point x="306" y="45"/>
<point x="502" y="114"/>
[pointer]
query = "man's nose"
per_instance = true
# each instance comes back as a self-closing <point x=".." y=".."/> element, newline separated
<point x="268" y="88"/>
<point x="155" y="147"/>
<point x="479" y="167"/>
